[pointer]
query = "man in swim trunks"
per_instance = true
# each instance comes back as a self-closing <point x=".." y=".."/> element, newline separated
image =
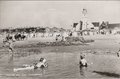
<point x="83" y="62"/>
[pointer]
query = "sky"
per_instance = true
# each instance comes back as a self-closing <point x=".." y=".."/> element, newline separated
<point x="56" y="13"/>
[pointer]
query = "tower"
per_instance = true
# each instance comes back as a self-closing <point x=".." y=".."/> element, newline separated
<point x="84" y="12"/>
<point x="84" y="19"/>
<point x="86" y="24"/>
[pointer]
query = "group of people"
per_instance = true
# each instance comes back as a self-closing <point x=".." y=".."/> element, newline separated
<point x="42" y="62"/>
<point x="8" y="42"/>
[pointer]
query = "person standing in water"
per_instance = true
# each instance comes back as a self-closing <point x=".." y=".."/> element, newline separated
<point x="82" y="65"/>
<point x="83" y="62"/>
<point x="8" y="42"/>
<point x="118" y="53"/>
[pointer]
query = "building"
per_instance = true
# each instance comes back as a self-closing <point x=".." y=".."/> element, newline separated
<point x="96" y="24"/>
<point x="113" y="26"/>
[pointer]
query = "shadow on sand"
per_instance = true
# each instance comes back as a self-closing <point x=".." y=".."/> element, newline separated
<point x="109" y="74"/>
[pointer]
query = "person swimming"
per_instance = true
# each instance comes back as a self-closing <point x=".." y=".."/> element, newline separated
<point x="41" y="64"/>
